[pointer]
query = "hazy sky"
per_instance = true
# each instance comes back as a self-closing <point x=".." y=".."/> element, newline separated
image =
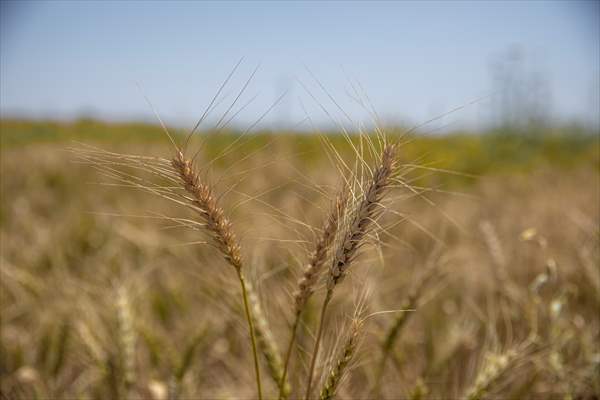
<point x="413" y="60"/>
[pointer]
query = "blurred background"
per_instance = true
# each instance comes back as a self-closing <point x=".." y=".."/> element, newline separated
<point x="497" y="106"/>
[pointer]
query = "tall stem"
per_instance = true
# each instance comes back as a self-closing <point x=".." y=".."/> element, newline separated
<point x="288" y="356"/>
<point x="251" y="328"/>
<point x="317" y="343"/>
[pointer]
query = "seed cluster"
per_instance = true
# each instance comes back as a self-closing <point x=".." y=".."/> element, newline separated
<point x="211" y="213"/>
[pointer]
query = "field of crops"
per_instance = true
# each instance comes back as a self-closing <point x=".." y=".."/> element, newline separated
<point x="131" y="271"/>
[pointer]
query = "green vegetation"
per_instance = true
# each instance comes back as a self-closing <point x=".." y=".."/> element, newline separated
<point x="461" y="152"/>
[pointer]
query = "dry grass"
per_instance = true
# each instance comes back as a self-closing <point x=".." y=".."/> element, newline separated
<point x="115" y="293"/>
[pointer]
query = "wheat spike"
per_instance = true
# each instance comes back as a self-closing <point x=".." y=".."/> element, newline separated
<point x="211" y="213"/>
<point x="366" y="212"/>
<point x="127" y="337"/>
<point x="364" y="215"/>
<point x="222" y="233"/>
<point x="311" y="274"/>
<point x="340" y="368"/>
<point x="496" y="365"/>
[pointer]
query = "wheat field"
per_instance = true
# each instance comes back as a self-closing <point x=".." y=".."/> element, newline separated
<point x="375" y="266"/>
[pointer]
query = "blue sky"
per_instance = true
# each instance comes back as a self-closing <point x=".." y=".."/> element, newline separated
<point x="414" y="60"/>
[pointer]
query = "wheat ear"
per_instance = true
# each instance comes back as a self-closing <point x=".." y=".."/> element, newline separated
<point x="365" y="214"/>
<point x="339" y="369"/>
<point x="361" y="221"/>
<point x="222" y="233"/>
<point x="490" y="374"/>
<point x="306" y="284"/>
<point x="206" y="205"/>
<point x="266" y="342"/>
<point x="310" y="276"/>
<point x="127" y="339"/>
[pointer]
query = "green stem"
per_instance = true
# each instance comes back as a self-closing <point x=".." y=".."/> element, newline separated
<point x="317" y="343"/>
<point x="251" y="328"/>
<point x="287" y="357"/>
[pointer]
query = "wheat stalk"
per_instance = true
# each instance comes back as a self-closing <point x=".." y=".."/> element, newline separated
<point x="201" y="199"/>
<point x="311" y="274"/>
<point x="361" y="220"/>
<point x="222" y="233"/>
<point x="313" y="270"/>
